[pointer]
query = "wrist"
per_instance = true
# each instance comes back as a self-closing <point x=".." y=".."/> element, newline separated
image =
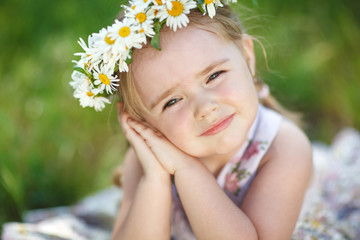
<point x="188" y="165"/>
<point x="157" y="177"/>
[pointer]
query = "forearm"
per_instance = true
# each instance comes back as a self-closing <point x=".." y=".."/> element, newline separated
<point x="149" y="214"/>
<point x="210" y="211"/>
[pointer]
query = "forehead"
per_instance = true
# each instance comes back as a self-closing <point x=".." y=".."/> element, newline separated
<point x="184" y="53"/>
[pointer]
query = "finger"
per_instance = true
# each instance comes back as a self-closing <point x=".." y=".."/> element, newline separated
<point x="123" y="121"/>
<point x="167" y="154"/>
<point x="154" y="139"/>
<point x="126" y="128"/>
<point x="145" y="131"/>
<point x="144" y="153"/>
<point x="132" y="134"/>
<point x="136" y="141"/>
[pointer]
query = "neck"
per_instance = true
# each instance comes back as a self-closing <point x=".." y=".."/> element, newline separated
<point x="215" y="163"/>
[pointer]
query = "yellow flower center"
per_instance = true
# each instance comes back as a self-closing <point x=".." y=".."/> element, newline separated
<point x="90" y="94"/>
<point x="159" y="2"/>
<point x="177" y="9"/>
<point x="108" y="40"/>
<point x="145" y="1"/>
<point x="133" y="7"/>
<point x="208" y="1"/>
<point x="124" y="31"/>
<point x="104" y="79"/>
<point x="141" y="17"/>
<point x="141" y="30"/>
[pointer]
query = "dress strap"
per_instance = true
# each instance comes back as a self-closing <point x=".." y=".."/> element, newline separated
<point x="237" y="175"/>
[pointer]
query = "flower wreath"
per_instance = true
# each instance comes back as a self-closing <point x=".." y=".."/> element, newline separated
<point x="109" y="51"/>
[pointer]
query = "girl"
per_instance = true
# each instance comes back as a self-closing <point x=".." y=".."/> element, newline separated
<point x="207" y="159"/>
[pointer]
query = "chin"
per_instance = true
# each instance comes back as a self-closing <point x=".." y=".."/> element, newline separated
<point x="230" y="143"/>
<point x="227" y="146"/>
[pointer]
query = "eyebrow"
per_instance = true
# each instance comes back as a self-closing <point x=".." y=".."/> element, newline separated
<point x="198" y="75"/>
<point x="164" y="95"/>
<point x="211" y="67"/>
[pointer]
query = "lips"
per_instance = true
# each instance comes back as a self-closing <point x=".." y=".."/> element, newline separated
<point x="219" y="126"/>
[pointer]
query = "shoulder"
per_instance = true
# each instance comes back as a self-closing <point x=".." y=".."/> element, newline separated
<point x="290" y="148"/>
<point x="277" y="192"/>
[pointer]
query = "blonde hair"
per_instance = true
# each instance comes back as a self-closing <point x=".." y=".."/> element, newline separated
<point x="226" y="25"/>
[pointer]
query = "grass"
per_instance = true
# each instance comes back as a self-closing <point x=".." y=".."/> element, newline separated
<point x="53" y="152"/>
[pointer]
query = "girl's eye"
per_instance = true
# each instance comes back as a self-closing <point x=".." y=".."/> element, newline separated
<point x="213" y="76"/>
<point x="171" y="102"/>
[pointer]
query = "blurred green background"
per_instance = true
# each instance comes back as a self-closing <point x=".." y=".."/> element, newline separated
<point x="53" y="152"/>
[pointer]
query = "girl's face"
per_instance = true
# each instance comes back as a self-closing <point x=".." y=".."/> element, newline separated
<point x="199" y="91"/>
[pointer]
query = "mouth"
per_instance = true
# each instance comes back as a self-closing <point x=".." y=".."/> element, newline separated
<point x="219" y="126"/>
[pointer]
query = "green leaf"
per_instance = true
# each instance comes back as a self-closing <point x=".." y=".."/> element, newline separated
<point x="201" y="8"/>
<point x="128" y="61"/>
<point x="158" y="26"/>
<point x="155" y="41"/>
<point x="116" y="69"/>
<point x="81" y="70"/>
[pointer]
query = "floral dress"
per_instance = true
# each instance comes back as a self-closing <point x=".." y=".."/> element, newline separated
<point x="237" y="175"/>
<point x="331" y="207"/>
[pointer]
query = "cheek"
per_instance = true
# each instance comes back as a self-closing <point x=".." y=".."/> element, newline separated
<point x="176" y="127"/>
<point x="240" y="88"/>
<point x="232" y="92"/>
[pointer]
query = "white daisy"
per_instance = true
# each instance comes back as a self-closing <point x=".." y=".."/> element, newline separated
<point x="143" y="18"/>
<point x="90" y="52"/>
<point x="105" y="79"/>
<point x="103" y="43"/>
<point x="79" y="80"/>
<point x="117" y="60"/>
<point x="88" y="98"/>
<point x="80" y="63"/>
<point x="99" y="103"/>
<point x="210" y="6"/>
<point x="122" y="65"/>
<point x="125" y="35"/>
<point x="175" y="13"/>
<point x="83" y="45"/>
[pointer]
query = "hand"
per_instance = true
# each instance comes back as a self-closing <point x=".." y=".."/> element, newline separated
<point x="170" y="157"/>
<point x="146" y="157"/>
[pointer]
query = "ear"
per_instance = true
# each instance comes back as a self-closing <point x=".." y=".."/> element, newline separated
<point x="248" y="51"/>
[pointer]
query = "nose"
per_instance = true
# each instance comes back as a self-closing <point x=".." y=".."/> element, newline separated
<point x="205" y="107"/>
